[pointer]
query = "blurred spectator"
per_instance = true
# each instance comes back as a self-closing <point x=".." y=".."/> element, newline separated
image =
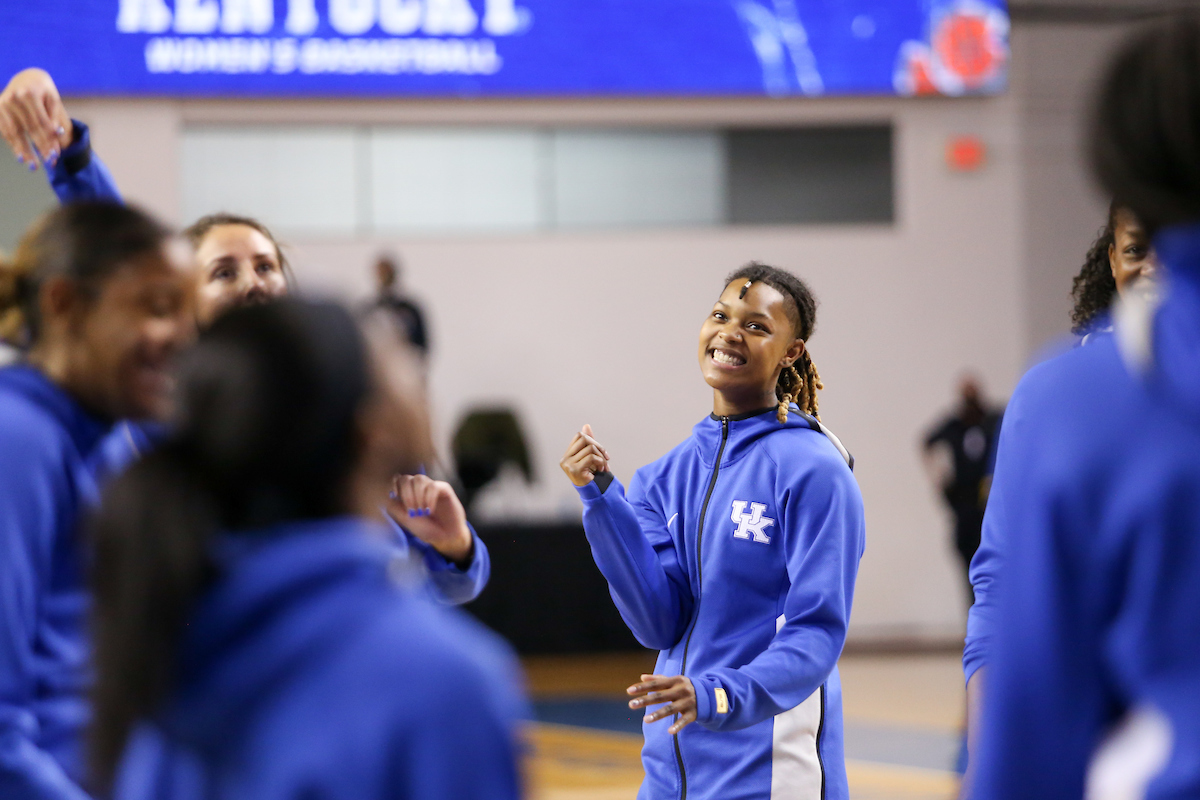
<point x="404" y="311"/>
<point x="960" y="455"/>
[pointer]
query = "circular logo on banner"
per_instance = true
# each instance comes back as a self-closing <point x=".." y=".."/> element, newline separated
<point x="967" y="52"/>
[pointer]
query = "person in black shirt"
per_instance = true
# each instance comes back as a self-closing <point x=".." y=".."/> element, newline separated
<point x="407" y="315"/>
<point x="969" y="435"/>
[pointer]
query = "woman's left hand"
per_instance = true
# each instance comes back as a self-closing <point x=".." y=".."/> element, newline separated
<point x="433" y="513"/>
<point x="677" y="692"/>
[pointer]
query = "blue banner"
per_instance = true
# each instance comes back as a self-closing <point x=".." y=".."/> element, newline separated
<point x="332" y="48"/>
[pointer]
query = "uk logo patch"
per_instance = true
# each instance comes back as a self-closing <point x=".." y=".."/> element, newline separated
<point x="751" y="524"/>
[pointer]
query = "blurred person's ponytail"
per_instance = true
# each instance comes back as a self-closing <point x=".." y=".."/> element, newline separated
<point x="1146" y="124"/>
<point x="269" y="401"/>
<point x="83" y="242"/>
<point x="13" y="287"/>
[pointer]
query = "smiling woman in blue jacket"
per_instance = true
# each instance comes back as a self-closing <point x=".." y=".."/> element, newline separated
<point x="735" y="555"/>
<point x="255" y="634"/>
<point x="99" y="298"/>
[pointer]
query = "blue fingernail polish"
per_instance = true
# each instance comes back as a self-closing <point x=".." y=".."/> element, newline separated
<point x="20" y="159"/>
<point x="60" y="130"/>
<point x="32" y="166"/>
<point x="412" y="513"/>
<point x="392" y="495"/>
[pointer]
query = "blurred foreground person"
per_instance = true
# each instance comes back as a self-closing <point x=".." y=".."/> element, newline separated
<point x="254" y="634"/>
<point x="96" y="296"/>
<point x="970" y="436"/>
<point x="1094" y="684"/>
<point x="736" y="555"/>
<point x="1120" y="263"/>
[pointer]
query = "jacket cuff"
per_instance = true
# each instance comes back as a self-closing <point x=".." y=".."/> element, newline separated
<point x="706" y="704"/>
<point x="78" y="154"/>
<point x="589" y="492"/>
<point x="440" y="563"/>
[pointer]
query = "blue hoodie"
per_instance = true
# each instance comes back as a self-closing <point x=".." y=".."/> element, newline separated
<point x="735" y="555"/>
<point x="1098" y="614"/>
<point x="51" y="467"/>
<point x="309" y="670"/>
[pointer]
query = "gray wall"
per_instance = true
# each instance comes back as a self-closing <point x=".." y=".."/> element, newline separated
<point x="23" y="195"/>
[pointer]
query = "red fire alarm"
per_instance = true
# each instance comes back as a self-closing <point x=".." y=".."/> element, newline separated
<point x="965" y="153"/>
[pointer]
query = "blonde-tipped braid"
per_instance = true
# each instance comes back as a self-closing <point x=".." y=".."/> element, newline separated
<point x="798" y="388"/>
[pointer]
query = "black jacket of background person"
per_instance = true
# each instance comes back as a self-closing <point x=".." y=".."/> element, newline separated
<point x="971" y="434"/>
<point x="409" y="318"/>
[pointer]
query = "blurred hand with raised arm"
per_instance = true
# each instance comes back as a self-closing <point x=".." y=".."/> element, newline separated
<point x="33" y="119"/>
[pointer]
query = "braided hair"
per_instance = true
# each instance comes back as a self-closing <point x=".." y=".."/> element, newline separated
<point x="798" y="383"/>
<point x="1094" y="287"/>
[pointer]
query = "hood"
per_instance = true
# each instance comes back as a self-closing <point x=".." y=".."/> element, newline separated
<point x="742" y="431"/>
<point x="1176" y="326"/>
<point x="285" y="596"/>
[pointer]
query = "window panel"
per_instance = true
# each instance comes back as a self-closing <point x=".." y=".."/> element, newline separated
<point x="612" y="178"/>
<point x="456" y="179"/>
<point x="293" y="179"/>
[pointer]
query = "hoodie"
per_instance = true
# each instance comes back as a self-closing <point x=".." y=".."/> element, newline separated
<point x="1097" y="630"/>
<point x="736" y="555"/>
<point x="310" y="670"/>
<point x="51" y="467"/>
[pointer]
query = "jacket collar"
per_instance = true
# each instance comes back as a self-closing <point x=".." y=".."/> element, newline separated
<point x="738" y="433"/>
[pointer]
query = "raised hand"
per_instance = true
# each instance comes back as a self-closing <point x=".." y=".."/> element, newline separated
<point x="676" y="691"/>
<point x="432" y="512"/>
<point x="31" y="111"/>
<point x="584" y="458"/>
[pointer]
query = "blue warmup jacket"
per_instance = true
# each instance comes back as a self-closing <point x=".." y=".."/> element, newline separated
<point x="51" y="466"/>
<point x="310" y="670"/>
<point x="1098" y="612"/>
<point x="735" y="555"/>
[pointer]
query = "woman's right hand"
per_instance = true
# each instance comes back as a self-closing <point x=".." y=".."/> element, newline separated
<point x="584" y="458"/>
<point x="32" y="111"/>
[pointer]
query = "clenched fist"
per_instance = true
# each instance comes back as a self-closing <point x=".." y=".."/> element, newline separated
<point x="584" y="458"/>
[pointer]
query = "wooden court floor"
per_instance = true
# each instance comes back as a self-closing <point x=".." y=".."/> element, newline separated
<point x="913" y="696"/>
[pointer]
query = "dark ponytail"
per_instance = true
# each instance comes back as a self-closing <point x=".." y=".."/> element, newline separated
<point x="798" y="383"/>
<point x="265" y="434"/>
